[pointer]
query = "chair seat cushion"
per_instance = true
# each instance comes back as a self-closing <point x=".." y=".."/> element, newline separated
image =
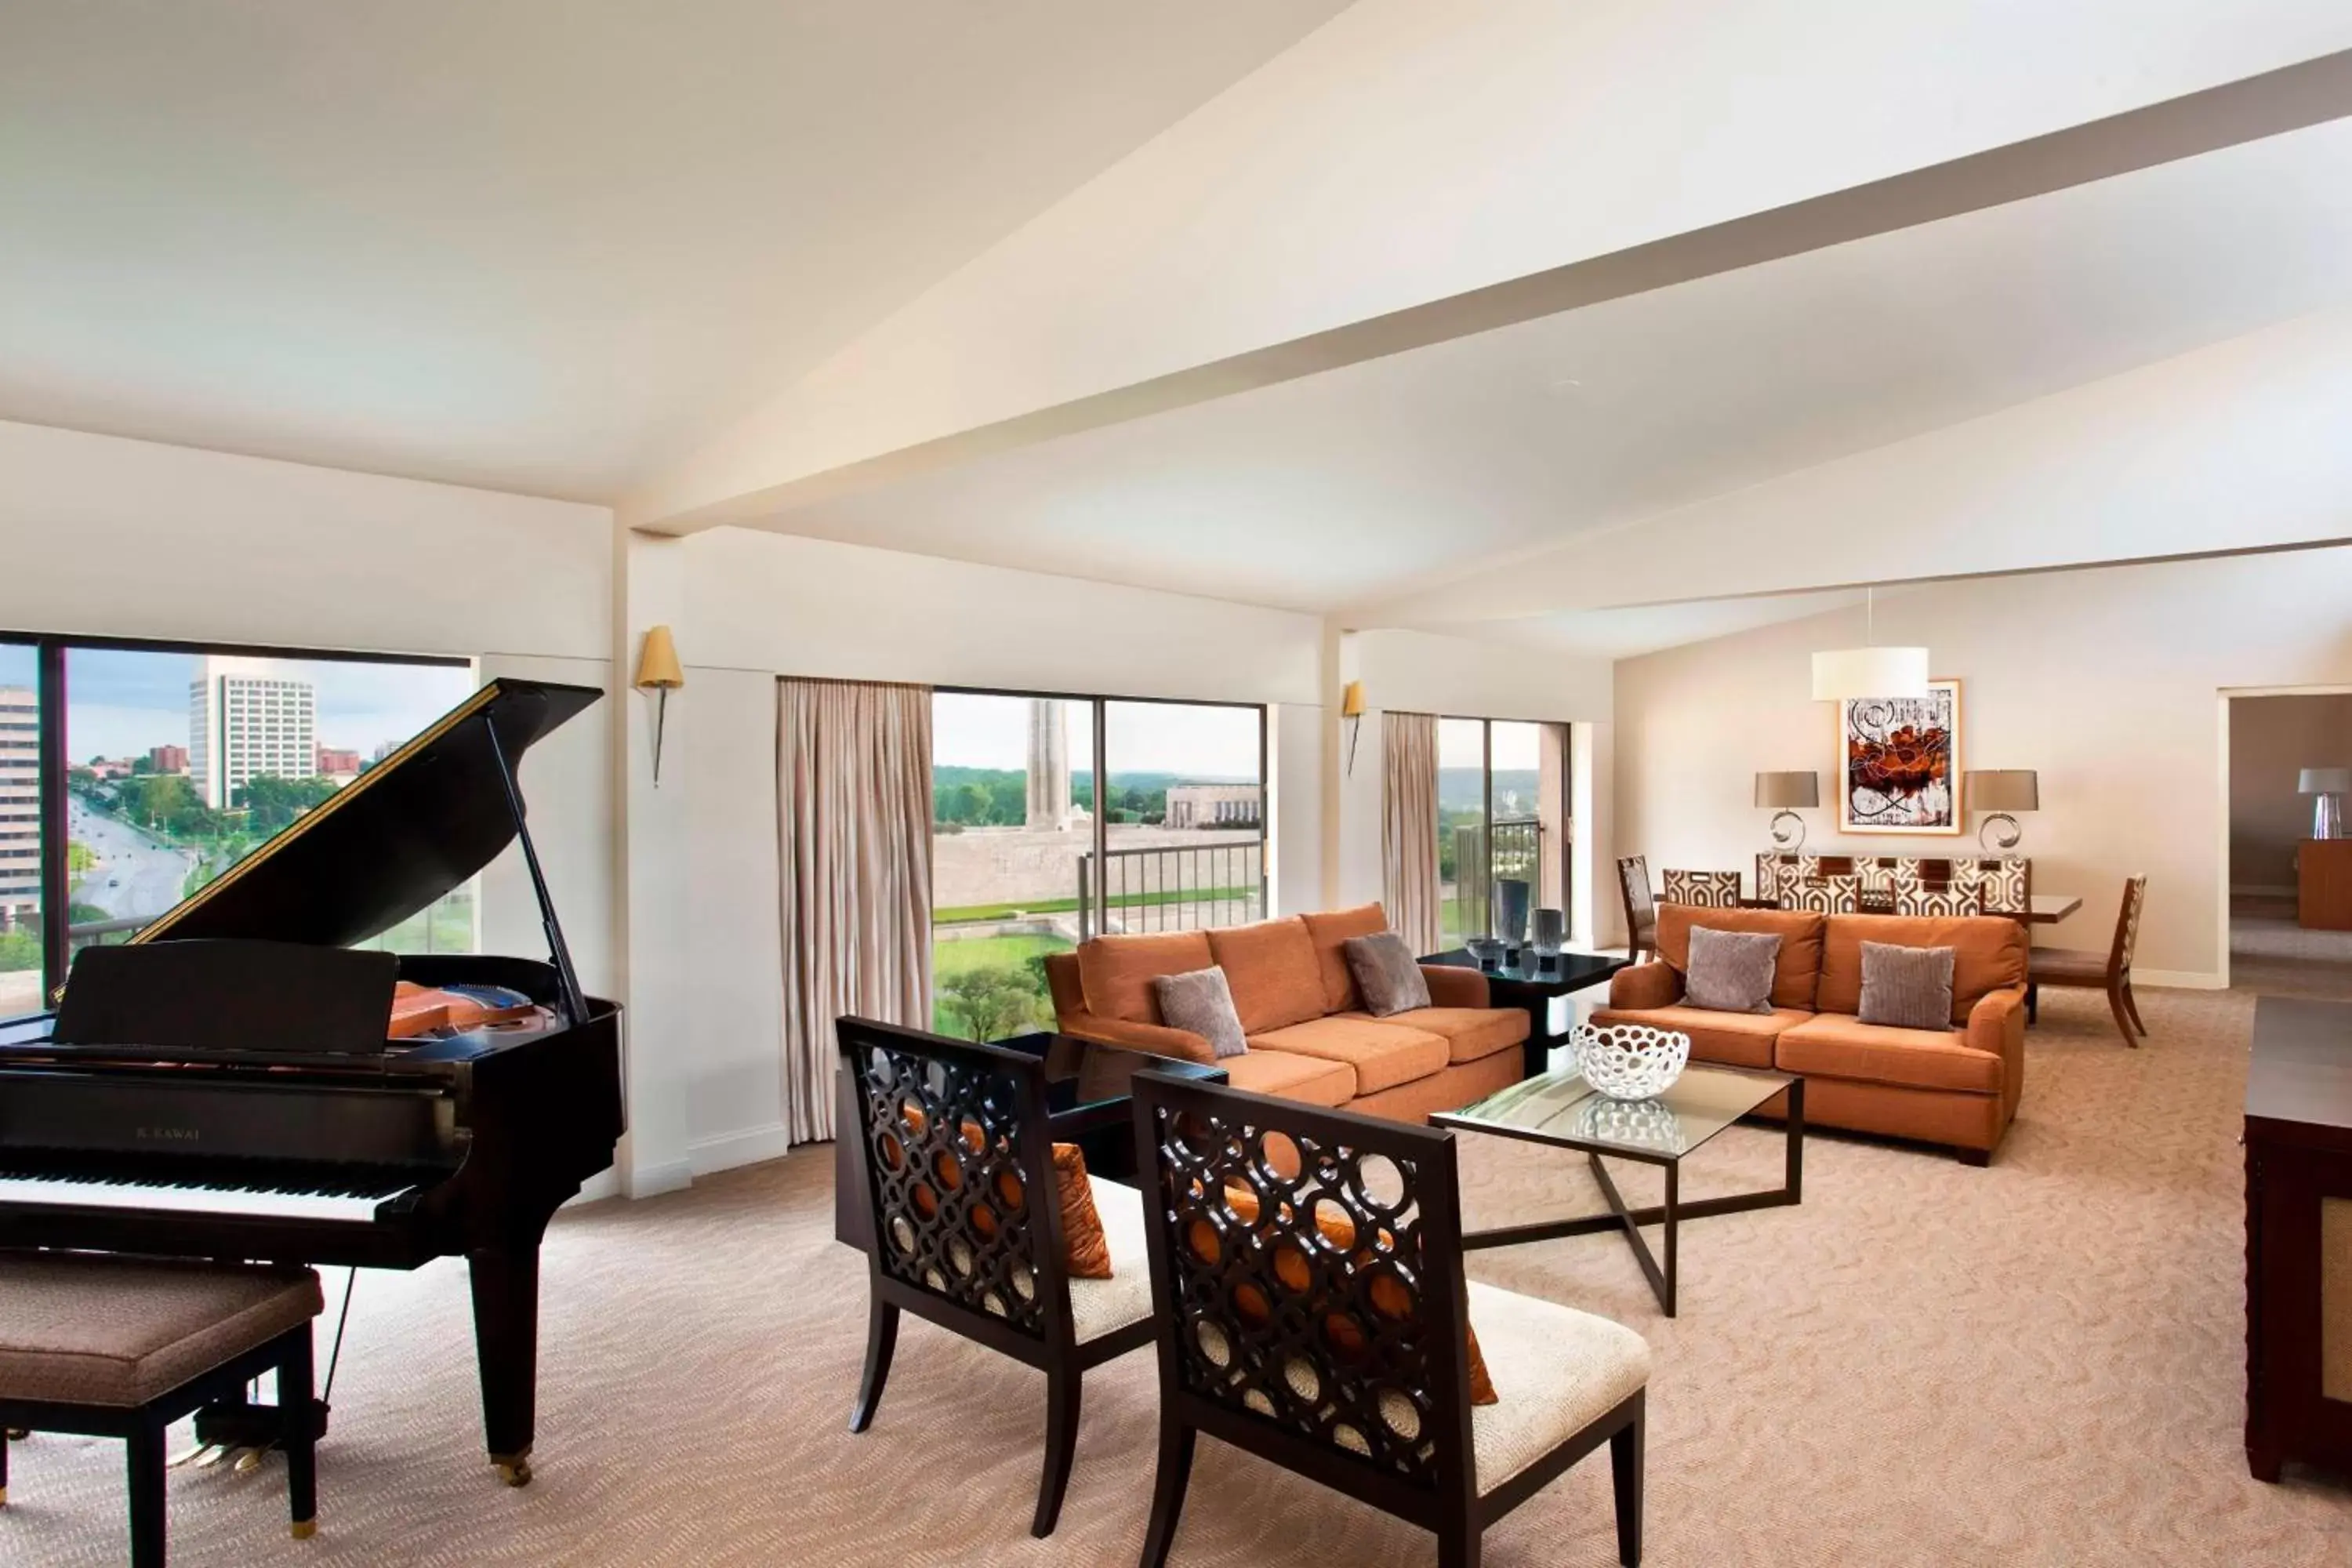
<point x="2067" y="964"/>
<point x="1098" y="1307"/>
<point x="1838" y="1044"/>
<point x="1310" y="1080"/>
<point x="1556" y="1371"/>
<point x="1734" y="1039"/>
<point x="1471" y="1034"/>
<point x="1382" y="1053"/>
<point x="77" y="1329"/>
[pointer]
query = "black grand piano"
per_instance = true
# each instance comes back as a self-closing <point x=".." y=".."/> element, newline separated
<point x="225" y="1087"/>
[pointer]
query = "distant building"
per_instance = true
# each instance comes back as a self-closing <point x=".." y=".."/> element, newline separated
<point x="246" y="718"/>
<point x="1048" y="784"/>
<point x="168" y="760"/>
<point x="387" y="749"/>
<point x="1213" y="805"/>
<point x="20" y="805"/>
<point x="334" y="761"/>
<point x="111" y="767"/>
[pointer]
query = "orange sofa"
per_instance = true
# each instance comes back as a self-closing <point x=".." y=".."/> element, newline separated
<point x="1308" y="1038"/>
<point x="1958" y="1086"/>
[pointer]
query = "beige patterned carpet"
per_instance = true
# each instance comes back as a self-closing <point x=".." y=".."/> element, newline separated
<point x="2038" y="1363"/>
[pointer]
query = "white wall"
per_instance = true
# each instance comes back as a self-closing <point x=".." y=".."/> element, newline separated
<point x="2108" y="683"/>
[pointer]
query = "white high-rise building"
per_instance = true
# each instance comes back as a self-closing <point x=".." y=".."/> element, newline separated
<point x="247" y="718"/>
<point x="20" y="803"/>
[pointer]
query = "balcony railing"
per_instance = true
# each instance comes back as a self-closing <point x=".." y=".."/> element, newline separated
<point x="1174" y="887"/>
<point x="1516" y="855"/>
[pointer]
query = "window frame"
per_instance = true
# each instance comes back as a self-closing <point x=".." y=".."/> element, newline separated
<point x="51" y="649"/>
<point x="1094" y="917"/>
<point x="1566" y="848"/>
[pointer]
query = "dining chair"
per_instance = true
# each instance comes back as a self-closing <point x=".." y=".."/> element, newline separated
<point x="967" y="1225"/>
<point x="1308" y="1285"/>
<point x="1640" y="907"/>
<point x="1703" y="890"/>
<point x="2109" y="971"/>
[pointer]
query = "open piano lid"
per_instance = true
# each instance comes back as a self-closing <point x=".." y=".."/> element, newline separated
<point x="392" y="840"/>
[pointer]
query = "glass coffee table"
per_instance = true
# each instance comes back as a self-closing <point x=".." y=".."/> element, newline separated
<point x="1563" y="1110"/>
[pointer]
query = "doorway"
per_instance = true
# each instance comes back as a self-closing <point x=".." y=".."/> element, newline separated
<point x="2288" y="881"/>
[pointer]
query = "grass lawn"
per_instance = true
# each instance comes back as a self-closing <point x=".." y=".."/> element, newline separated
<point x="959" y="913"/>
<point x="990" y="952"/>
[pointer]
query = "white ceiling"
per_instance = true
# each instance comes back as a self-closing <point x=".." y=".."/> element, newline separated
<point x="1341" y="488"/>
<point x="534" y="245"/>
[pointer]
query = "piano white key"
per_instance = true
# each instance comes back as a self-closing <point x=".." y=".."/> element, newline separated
<point x="188" y="1200"/>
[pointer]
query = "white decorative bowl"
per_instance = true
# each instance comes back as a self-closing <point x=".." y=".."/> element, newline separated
<point x="1630" y="1061"/>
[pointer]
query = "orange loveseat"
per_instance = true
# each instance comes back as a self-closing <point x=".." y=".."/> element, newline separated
<point x="1308" y="1038"/>
<point x="1958" y="1086"/>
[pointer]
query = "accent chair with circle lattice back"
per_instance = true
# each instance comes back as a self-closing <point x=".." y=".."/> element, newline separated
<point x="1307" y="1276"/>
<point x="967" y="1225"/>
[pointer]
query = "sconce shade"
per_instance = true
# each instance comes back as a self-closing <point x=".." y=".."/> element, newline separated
<point x="1788" y="792"/>
<point x="1351" y="700"/>
<point x="2002" y="789"/>
<point x="657" y="663"/>
<point x="2325" y="780"/>
<point x="1840" y="673"/>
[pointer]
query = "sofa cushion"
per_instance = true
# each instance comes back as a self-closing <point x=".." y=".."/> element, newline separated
<point x="1310" y="1080"/>
<point x="1382" y="1054"/>
<point x="1329" y="932"/>
<point x="1988" y="955"/>
<point x="1471" y="1034"/>
<point x="1838" y="1044"/>
<point x="1116" y="973"/>
<point x="1272" y="970"/>
<point x="1731" y="970"/>
<point x="1734" y="1039"/>
<point x="1904" y="987"/>
<point x="1800" y="944"/>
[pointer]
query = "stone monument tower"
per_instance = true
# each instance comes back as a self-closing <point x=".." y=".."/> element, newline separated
<point x="1049" y="765"/>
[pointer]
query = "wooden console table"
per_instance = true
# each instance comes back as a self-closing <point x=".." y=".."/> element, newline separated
<point x="2322" y="884"/>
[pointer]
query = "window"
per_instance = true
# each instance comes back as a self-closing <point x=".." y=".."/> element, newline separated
<point x="171" y="763"/>
<point x="1029" y="858"/>
<point x="1502" y="822"/>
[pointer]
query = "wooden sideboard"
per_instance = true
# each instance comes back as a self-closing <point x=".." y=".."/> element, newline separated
<point x="2298" y="1140"/>
<point x="2322" y="884"/>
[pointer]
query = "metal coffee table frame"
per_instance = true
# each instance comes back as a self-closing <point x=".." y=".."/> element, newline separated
<point x="1670" y="1214"/>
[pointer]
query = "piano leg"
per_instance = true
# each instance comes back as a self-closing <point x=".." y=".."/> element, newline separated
<point x="506" y="1343"/>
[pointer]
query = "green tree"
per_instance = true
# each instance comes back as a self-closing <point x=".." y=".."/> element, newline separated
<point x="991" y="1002"/>
<point x="79" y="857"/>
<point x="273" y="802"/>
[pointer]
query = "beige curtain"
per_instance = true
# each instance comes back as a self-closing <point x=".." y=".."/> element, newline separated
<point x="1408" y="827"/>
<point x="853" y="794"/>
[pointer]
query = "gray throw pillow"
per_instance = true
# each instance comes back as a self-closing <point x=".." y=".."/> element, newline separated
<point x="1906" y="987"/>
<point x="1387" y="976"/>
<point x="1201" y="1002"/>
<point x="1731" y="970"/>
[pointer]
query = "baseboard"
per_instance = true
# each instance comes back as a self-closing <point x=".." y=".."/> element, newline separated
<point x="730" y="1150"/>
<point x="2264" y="890"/>
<point x="595" y="1189"/>
<point x="2180" y="979"/>
<point x="669" y="1177"/>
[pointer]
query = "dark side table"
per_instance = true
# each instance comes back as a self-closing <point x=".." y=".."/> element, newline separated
<point x="1532" y="984"/>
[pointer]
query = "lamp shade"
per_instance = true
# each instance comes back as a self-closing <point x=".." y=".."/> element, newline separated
<point x="657" y="663"/>
<point x="2002" y="789"/>
<point x="2325" y="780"/>
<point x="1847" y="672"/>
<point x="1788" y="792"/>
<point x="1351" y="700"/>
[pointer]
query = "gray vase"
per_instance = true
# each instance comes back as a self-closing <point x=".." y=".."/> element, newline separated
<point x="1511" y="910"/>
<point x="1551" y="931"/>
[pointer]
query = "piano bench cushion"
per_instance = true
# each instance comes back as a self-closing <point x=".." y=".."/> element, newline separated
<point x="81" y="1329"/>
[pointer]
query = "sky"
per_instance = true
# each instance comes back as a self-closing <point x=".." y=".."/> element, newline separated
<point x="120" y="703"/>
<point x="1198" y="742"/>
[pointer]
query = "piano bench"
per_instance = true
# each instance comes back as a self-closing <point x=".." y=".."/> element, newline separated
<point x="122" y="1347"/>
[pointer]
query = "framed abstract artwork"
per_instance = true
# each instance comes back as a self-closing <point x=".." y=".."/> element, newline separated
<point x="1899" y="762"/>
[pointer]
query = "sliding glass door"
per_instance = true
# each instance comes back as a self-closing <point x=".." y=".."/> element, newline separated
<point x="21" y="837"/>
<point x="1502" y="824"/>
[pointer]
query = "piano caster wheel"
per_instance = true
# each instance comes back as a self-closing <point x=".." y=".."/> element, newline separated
<point x="514" y="1472"/>
<point x="305" y="1528"/>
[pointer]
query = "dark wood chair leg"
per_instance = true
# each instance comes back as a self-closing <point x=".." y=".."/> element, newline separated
<point x="2131" y="1003"/>
<point x="2123" y="1019"/>
<point x="1167" y="1492"/>
<point x="1458" y="1546"/>
<point x="2032" y="1004"/>
<point x="1062" y="1390"/>
<point x="5" y="1439"/>
<point x="881" y="1339"/>
<point x="294" y="1390"/>
<point x="146" y="1446"/>
<point x="1977" y="1157"/>
<point x="1625" y="1471"/>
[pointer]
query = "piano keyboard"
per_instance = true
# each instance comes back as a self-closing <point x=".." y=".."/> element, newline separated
<point x="193" y="1199"/>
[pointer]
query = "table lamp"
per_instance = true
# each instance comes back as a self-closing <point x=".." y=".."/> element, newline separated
<point x="1785" y="794"/>
<point x="1998" y="791"/>
<point x="2325" y="786"/>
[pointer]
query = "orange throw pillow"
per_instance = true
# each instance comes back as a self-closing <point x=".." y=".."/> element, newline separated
<point x="1388" y="1295"/>
<point x="1086" y="1253"/>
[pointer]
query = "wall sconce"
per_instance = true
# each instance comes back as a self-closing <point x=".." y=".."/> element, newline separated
<point x="658" y="671"/>
<point x="1351" y="709"/>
